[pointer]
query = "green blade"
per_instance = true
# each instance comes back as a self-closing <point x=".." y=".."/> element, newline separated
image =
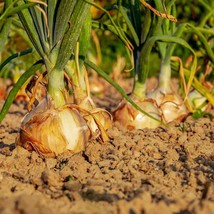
<point x="202" y="38"/>
<point x="84" y="39"/>
<point x="64" y="12"/>
<point x="135" y="16"/>
<point x="4" y="31"/>
<point x="146" y="26"/>
<point x="31" y="30"/>
<point x="22" y="53"/>
<point x="5" y="24"/>
<point x="51" y="19"/>
<point x="30" y="72"/>
<point x="114" y="28"/>
<point x="130" y="26"/>
<point x="14" y="10"/>
<point x="38" y="20"/>
<point x="171" y="47"/>
<point x="72" y="35"/>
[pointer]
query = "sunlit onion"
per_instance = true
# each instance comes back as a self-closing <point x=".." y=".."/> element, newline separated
<point x="130" y="118"/>
<point x="54" y="131"/>
<point x="98" y="120"/>
<point x="170" y="104"/>
<point x="197" y="100"/>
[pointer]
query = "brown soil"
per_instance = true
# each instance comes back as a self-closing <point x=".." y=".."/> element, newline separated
<point x="165" y="170"/>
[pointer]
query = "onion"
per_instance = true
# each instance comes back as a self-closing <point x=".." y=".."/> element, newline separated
<point x="130" y="118"/>
<point x="98" y="120"/>
<point x="170" y="104"/>
<point x="54" y="131"/>
<point x="197" y="100"/>
<point x="51" y="131"/>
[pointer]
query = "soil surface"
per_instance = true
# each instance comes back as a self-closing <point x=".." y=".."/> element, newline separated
<point x="165" y="170"/>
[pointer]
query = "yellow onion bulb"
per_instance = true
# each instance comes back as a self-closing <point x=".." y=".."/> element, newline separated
<point x="170" y="104"/>
<point x="197" y="100"/>
<point x="130" y="118"/>
<point x="54" y="131"/>
<point x="98" y="120"/>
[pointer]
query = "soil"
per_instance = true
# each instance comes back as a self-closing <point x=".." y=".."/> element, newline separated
<point x="164" y="170"/>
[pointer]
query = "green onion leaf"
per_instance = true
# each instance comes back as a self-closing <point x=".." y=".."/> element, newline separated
<point x="30" y="72"/>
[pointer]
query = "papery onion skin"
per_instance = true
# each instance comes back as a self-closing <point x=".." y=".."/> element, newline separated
<point x="98" y="120"/>
<point x="170" y="104"/>
<point x="173" y="108"/>
<point x="130" y="118"/>
<point x="196" y="100"/>
<point x="104" y="118"/>
<point x="45" y="132"/>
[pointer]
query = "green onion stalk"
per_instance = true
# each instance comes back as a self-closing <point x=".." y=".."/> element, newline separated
<point x="172" y="105"/>
<point x="168" y="100"/>
<point x="163" y="103"/>
<point x="198" y="99"/>
<point x="140" y="32"/>
<point x="58" y="125"/>
<point x="4" y="30"/>
<point x="5" y="24"/>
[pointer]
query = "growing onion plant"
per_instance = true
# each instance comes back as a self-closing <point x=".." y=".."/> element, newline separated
<point x="60" y="33"/>
<point x="147" y="26"/>
<point x="202" y="32"/>
<point x="158" y="30"/>
<point x="66" y="118"/>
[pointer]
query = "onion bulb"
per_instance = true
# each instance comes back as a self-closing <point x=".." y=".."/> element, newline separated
<point x="98" y="120"/>
<point x="54" y="131"/>
<point x="197" y="100"/>
<point x="170" y="104"/>
<point x="130" y="118"/>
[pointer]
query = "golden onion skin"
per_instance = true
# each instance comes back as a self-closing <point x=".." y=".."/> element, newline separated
<point x="197" y="101"/>
<point x="173" y="108"/>
<point x="54" y="131"/>
<point x="130" y="118"/>
<point x="171" y="105"/>
<point x="98" y="119"/>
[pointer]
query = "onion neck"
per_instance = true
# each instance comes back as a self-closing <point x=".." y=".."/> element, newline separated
<point x="139" y="90"/>
<point x="56" y="87"/>
<point x="165" y="76"/>
<point x="78" y="77"/>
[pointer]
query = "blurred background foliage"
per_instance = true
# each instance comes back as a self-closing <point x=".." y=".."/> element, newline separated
<point x="107" y="50"/>
<point x="199" y="13"/>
